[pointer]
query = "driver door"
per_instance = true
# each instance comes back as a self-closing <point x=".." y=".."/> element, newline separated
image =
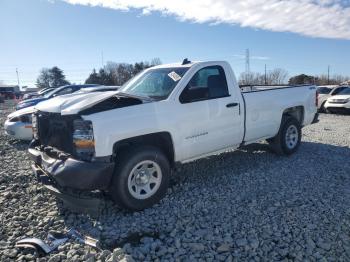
<point x="210" y="119"/>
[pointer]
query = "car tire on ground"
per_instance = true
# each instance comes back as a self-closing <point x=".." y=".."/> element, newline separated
<point x="288" y="138"/>
<point x="322" y="108"/>
<point x="141" y="178"/>
<point x="328" y="111"/>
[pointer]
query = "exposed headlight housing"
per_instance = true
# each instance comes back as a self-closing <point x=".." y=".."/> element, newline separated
<point x="83" y="139"/>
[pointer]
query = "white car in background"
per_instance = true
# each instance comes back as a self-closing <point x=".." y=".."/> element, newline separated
<point x="339" y="103"/>
<point x="325" y="92"/>
<point x="37" y="94"/>
<point x="19" y="123"/>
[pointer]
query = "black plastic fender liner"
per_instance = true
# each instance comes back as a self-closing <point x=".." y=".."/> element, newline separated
<point x="72" y="173"/>
<point x="82" y="175"/>
<point x="74" y="202"/>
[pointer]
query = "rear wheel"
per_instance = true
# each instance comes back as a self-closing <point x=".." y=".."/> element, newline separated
<point x="288" y="139"/>
<point x="141" y="178"/>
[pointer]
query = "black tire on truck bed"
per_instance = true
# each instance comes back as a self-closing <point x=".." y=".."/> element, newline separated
<point x="129" y="183"/>
<point x="288" y="138"/>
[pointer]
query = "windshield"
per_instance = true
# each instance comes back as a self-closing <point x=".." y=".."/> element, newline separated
<point x="155" y="83"/>
<point x="324" y="90"/>
<point x="46" y="91"/>
<point x="345" y="92"/>
<point x="43" y="90"/>
<point x="49" y="94"/>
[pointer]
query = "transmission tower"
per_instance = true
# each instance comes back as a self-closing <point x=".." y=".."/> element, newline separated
<point x="247" y="61"/>
<point x="247" y="66"/>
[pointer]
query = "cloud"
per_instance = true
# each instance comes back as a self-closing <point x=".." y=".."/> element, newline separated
<point x="314" y="18"/>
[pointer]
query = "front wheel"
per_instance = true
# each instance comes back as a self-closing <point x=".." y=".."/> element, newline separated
<point x="141" y="178"/>
<point x="322" y="108"/>
<point x="288" y="139"/>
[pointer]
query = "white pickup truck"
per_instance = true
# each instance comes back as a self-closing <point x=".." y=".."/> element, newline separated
<point x="127" y="142"/>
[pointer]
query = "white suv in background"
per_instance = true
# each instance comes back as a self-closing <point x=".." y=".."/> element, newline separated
<point x="325" y="92"/>
<point x="339" y="103"/>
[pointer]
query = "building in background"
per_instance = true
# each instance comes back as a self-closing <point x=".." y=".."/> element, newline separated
<point x="26" y="89"/>
<point x="10" y="91"/>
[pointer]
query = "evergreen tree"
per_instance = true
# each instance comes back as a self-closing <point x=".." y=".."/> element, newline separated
<point x="94" y="78"/>
<point x="302" y="79"/>
<point x="51" y="77"/>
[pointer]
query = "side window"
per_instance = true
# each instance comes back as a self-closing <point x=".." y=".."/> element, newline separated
<point x="208" y="83"/>
<point x="65" y="91"/>
<point x="337" y="90"/>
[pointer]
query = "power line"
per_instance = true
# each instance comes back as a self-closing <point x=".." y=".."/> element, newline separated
<point x="328" y="74"/>
<point x="102" y="59"/>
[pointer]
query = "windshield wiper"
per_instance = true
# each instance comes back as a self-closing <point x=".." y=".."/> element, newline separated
<point x="158" y="97"/>
<point x="135" y="96"/>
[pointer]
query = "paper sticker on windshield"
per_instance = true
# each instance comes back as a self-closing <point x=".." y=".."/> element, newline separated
<point x="174" y="76"/>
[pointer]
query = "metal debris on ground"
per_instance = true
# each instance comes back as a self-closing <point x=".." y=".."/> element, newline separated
<point x="54" y="240"/>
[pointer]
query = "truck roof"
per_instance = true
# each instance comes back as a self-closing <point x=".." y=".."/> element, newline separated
<point x="186" y="65"/>
<point x="176" y="65"/>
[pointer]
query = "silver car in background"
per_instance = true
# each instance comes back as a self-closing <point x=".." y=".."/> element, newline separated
<point x="19" y="123"/>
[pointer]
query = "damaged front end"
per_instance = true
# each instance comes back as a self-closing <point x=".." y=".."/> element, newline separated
<point x="63" y="148"/>
<point x="63" y="152"/>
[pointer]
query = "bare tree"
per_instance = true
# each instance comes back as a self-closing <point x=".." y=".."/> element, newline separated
<point x="156" y="61"/>
<point x="277" y="76"/>
<point x="333" y="80"/>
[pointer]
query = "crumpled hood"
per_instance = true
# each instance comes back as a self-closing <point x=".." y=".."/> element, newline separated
<point x="21" y="112"/>
<point x="73" y="103"/>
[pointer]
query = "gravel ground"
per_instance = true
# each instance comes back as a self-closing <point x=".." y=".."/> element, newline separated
<point x="244" y="205"/>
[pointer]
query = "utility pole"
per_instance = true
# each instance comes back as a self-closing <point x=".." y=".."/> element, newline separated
<point x="265" y="76"/>
<point x="247" y="65"/>
<point x="17" y="77"/>
<point x="328" y="74"/>
<point x="102" y="59"/>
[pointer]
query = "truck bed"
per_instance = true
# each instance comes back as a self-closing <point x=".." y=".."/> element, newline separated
<point x="258" y="88"/>
<point x="264" y="107"/>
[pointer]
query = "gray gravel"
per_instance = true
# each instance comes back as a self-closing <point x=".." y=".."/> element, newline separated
<point x="244" y="205"/>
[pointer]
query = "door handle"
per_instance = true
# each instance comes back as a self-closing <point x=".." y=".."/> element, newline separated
<point x="232" y="104"/>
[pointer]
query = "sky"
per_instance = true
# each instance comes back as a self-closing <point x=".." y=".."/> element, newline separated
<point x="300" y="36"/>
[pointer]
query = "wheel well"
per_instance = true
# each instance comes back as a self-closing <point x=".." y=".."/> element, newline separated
<point x="162" y="140"/>
<point x="297" y="112"/>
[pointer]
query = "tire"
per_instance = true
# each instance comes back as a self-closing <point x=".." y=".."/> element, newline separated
<point x="328" y="111"/>
<point x="141" y="178"/>
<point x="322" y="109"/>
<point x="288" y="138"/>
